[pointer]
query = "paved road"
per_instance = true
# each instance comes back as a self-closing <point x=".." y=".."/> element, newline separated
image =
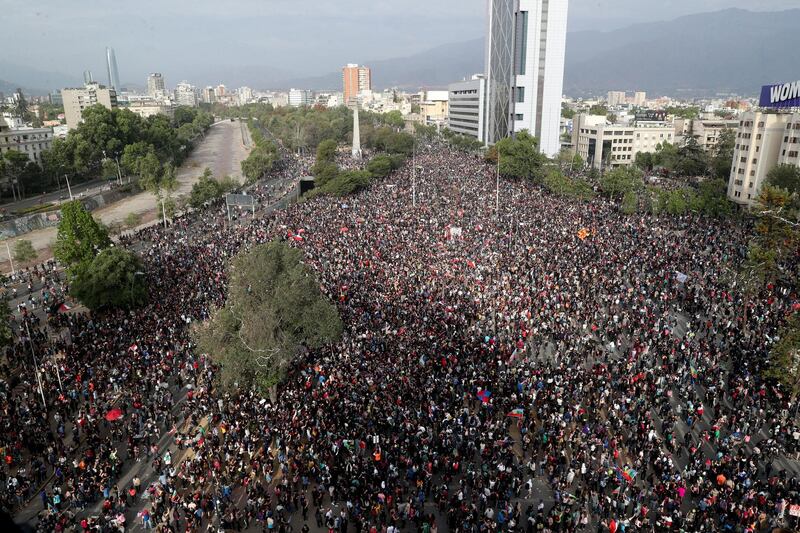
<point x="222" y="151"/>
<point x="82" y="189"/>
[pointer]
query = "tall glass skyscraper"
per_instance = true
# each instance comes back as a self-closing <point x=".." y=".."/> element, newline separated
<point x="499" y="65"/>
<point x="111" y="67"/>
<point x="525" y="48"/>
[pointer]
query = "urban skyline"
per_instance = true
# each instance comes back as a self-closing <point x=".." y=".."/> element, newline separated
<point x="453" y="22"/>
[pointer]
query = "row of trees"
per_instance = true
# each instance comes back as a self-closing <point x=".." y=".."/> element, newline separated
<point x="690" y="159"/>
<point x="330" y="179"/>
<point x="261" y="158"/>
<point x="142" y="146"/>
<point x="771" y="259"/>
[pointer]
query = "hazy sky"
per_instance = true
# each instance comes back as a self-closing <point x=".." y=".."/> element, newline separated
<point x="187" y="38"/>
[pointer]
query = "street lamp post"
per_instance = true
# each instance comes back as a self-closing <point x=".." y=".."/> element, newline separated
<point x="10" y="260"/>
<point x="69" y="189"/>
<point x="35" y="365"/>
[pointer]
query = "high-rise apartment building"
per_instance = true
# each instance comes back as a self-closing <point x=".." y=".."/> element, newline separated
<point x="639" y="98"/>
<point x="76" y="100"/>
<point x="155" y="84"/>
<point x="111" y="68"/>
<point x="763" y="141"/>
<point x="185" y="94"/>
<point x="525" y="47"/>
<point x="209" y="96"/>
<point x="355" y="79"/>
<point x="616" y="98"/>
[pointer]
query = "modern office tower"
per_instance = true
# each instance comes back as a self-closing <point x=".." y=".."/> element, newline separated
<point x="87" y="77"/>
<point x="155" y="84"/>
<point x="111" y="67"/>
<point x="525" y="48"/>
<point x="300" y="97"/>
<point x="355" y="79"/>
<point x="466" y="100"/>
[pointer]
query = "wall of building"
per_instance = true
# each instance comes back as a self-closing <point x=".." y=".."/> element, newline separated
<point x="465" y="110"/>
<point x="763" y="141"/>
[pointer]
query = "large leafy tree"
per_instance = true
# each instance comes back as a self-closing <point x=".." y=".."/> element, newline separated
<point x="274" y="307"/>
<point x="80" y="237"/>
<point x="114" y="279"/>
<point x="786" y="177"/>
<point x="520" y="156"/>
<point x="619" y="181"/>
<point x="722" y="158"/>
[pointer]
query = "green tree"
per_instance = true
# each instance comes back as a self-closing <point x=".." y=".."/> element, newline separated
<point x="326" y="151"/>
<point x="113" y="279"/>
<point x="394" y="119"/>
<point x="692" y="159"/>
<point x="274" y="307"/>
<point x="79" y="236"/>
<point x="133" y="219"/>
<point x="599" y="110"/>
<point x="149" y="168"/>
<point x="786" y="177"/>
<point x="325" y="172"/>
<point x="24" y="251"/>
<point x="566" y="111"/>
<point x="6" y="334"/>
<point x="722" y="158"/>
<point x="712" y="195"/>
<point x="784" y="358"/>
<point x="630" y="203"/>
<point x="380" y="166"/>
<point x="619" y="181"/>
<point x="205" y="190"/>
<point x="520" y="156"/>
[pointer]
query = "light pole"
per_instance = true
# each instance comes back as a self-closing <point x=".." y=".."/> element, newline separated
<point x="414" y="175"/>
<point x="69" y="189"/>
<point x="497" y="188"/>
<point x="164" y="212"/>
<point x="10" y="260"/>
<point x="35" y="365"/>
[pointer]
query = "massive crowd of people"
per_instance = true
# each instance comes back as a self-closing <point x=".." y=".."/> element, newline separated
<point x="552" y="366"/>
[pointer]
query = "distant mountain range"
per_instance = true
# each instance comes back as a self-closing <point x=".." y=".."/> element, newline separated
<point x="730" y="51"/>
<point x="726" y="51"/>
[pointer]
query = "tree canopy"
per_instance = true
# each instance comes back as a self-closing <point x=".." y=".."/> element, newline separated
<point x="274" y="307"/>
<point x="80" y="237"/>
<point x="520" y="156"/>
<point x="113" y="279"/>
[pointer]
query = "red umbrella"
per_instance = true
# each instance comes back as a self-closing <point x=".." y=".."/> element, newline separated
<point x="114" y="414"/>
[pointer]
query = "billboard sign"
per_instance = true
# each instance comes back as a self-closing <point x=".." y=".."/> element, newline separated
<point x="651" y="116"/>
<point x="781" y="95"/>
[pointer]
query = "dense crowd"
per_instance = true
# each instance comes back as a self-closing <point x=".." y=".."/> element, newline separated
<point x="554" y="366"/>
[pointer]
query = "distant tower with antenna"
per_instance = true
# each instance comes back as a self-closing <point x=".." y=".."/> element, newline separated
<point x="356" y="133"/>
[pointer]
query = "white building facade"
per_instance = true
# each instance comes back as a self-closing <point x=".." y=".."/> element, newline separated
<point x="29" y="141"/>
<point x="300" y="97"/>
<point x="186" y="94"/>
<point x="466" y="102"/>
<point x="525" y="51"/>
<point x="763" y="141"/>
<point x="76" y="100"/>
